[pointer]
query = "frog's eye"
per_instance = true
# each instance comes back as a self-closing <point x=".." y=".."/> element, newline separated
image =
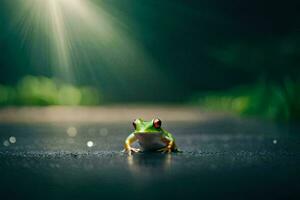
<point x="157" y="123"/>
<point x="134" y="124"/>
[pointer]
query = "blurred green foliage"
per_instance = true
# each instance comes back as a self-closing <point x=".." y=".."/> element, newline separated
<point x="151" y="51"/>
<point x="268" y="100"/>
<point x="43" y="91"/>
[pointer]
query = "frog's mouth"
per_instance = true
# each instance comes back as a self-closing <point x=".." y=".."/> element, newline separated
<point x="147" y="135"/>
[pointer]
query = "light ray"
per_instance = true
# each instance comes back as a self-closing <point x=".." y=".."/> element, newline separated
<point x="60" y="42"/>
<point x="78" y="32"/>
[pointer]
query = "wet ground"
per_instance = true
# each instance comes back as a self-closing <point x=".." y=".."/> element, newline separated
<point x="223" y="158"/>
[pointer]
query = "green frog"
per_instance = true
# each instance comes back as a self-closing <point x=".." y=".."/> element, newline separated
<point x="151" y="137"/>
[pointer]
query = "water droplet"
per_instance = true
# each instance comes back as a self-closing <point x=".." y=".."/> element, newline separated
<point x="90" y="143"/>
<point x="72" y="131"/>
<point x="12" y="139"/>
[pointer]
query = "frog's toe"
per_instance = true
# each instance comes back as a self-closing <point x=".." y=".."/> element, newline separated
<point x="131" y="150"/>
<point x="135" y="150"/>
<point x="165" y="150"/>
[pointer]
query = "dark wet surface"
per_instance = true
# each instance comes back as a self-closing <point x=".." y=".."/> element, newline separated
<point x="221" y="159"/>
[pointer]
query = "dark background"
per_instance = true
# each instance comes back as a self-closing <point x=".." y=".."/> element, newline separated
<point x="196" y="45"/>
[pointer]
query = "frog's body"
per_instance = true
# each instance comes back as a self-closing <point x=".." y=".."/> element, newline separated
<point x="151" y="137"/>
<point x="149" y="142"/>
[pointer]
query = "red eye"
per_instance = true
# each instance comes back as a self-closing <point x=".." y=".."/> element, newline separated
<point x="134" y="124"/>
<point x="157" y="123"/>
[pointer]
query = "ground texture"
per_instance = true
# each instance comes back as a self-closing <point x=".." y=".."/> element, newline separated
<point x="72" y="157"/>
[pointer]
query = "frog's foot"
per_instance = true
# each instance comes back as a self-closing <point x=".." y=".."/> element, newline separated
<point x="165" y="150"/>
<point x="131" y="150"/>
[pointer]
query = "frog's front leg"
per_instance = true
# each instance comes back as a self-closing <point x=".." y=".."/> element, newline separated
<point x="170" y="144"/>
<point x="127" y="146"/>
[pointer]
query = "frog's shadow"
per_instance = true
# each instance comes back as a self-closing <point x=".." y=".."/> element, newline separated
<point x="149" y="161"/>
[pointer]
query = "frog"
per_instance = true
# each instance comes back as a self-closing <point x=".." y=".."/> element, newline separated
<point x="151" y="137"/>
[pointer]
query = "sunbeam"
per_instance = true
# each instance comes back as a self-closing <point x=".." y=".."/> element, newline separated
<point x="75" y="32"/>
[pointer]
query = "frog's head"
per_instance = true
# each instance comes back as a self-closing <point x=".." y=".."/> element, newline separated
<point x="147" y="127"/>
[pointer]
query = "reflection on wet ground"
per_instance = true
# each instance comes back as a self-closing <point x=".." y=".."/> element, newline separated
<point x="223" y="158"/>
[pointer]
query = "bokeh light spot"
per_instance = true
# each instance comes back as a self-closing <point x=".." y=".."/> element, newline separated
<point x="103" y="132"/>
<point x="72" y="131"/>
<point x="6" y="143"/>
<point x="12" y="139"/>
<point x="90" y="143"/>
